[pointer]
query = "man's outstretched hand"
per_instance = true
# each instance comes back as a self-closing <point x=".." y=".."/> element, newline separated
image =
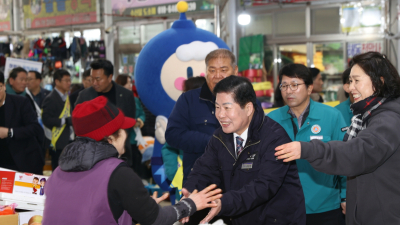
<point x="206" y="197"/>
<point x="203" y="199"/>
<point x="213" y="212"/>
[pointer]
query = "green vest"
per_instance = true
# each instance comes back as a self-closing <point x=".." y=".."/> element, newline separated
<point x="322" y="192"/>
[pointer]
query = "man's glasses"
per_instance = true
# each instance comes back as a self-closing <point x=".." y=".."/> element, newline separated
<point x="66" y="80"/>
<point x="293" y="86"/>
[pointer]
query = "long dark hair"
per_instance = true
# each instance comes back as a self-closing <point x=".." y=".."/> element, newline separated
<point x="377" y="65"/>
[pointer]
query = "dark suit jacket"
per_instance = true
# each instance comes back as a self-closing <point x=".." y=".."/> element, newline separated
<point x="27" y="141"/>
<point x="52" y="107"/>
<point x="125" y="101"/>
<point x="73" y="96"/>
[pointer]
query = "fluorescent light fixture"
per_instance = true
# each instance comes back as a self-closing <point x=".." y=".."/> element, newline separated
<point x="244" y="19"/>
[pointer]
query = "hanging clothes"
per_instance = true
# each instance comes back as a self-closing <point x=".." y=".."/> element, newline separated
<point x="75" y="49"/>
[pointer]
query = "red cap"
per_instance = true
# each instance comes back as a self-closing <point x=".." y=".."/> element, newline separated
<point x="99" y="118"/>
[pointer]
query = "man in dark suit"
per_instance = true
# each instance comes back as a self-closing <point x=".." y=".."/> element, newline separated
<point x="21" y="136"/>
<point x="102" y="84"/>
<point x="33" y="84"/>
<point x="57" y="115"/>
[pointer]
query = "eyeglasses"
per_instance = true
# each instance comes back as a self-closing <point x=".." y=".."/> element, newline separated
<point x="293" y="86"/>
<point x="66" y="80"/>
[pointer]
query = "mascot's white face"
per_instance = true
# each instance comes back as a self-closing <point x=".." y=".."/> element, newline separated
<point x="188" y="61"/>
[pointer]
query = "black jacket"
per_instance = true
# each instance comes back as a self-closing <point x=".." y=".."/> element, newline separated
<point x="74" y="96"/>
<point x="52" y="107"/>
<point x="371" y="163"/>
<point x="124" y="100"/>
<point x="27" y="142"/>
<point x="124" y="97"/>
<point x="191" y="125"/>
<point x="269" y="192"/>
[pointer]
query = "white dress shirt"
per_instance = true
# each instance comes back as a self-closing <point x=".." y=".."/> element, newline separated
<point x="243" y="136"/>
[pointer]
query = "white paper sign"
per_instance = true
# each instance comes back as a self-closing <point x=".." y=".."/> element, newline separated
<point x="28" y="65"/>
<point x="29" y="184"/>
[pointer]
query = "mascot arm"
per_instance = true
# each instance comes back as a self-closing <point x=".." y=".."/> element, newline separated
<point x="179" y="133"/>
<point x="161" y="126"/>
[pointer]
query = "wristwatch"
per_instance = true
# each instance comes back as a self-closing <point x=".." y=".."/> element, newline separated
<point x="10" y="133"/>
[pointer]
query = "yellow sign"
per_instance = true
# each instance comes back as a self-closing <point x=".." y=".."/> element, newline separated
<point x="147" y="11"/>
<point x="261" y="86"/>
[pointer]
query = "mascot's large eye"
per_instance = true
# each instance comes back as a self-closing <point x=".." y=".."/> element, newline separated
<point x="189" y="72"/>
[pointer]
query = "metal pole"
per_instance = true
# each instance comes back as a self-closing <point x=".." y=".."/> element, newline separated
<point x="217" y="19"/>
<point x="17" y="18"/>
<point x="232" y="26"/>
<point x="109" y="37"/>
<point x="275" y="68"/>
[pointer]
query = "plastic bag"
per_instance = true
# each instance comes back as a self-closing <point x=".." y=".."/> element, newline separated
<point x="8" y="209"/>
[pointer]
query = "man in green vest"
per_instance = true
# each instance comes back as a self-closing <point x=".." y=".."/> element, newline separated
<point x="305" y="120"/>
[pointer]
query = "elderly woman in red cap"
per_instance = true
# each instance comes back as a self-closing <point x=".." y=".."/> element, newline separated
<point x="93" y="186"/>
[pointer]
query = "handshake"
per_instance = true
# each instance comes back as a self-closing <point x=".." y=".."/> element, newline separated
<point x="207" y="198"/>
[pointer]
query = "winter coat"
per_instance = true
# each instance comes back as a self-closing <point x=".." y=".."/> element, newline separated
<point x="191" y="125"/>
<point x="258" y="189"/>
<point x="371" y="162"/>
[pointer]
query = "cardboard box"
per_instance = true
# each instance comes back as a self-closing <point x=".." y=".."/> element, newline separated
<point x="9" y="219"/>
<point x="25" y="189"/>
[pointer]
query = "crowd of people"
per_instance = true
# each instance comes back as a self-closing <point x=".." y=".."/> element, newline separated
<point x="303" y="163"/>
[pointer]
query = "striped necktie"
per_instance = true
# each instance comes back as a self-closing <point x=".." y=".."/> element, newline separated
<point x="239" y="145"/>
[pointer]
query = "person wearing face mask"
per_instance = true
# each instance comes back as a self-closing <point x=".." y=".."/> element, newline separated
<point x="305" y="120"/>
<point x="93" y="186"/>
<point x="370" y="155"/>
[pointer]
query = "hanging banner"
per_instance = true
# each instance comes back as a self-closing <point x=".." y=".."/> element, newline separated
<point x="155" y="7"/>
<point x="54" y="13"/>
<point x="28" y="65"/>
<point x="5" y="15"/>
<point x="354" y="17"/>
<point x="269" y="2"/>
<point x="121" y="5"/>
<point x="358" y="48"/>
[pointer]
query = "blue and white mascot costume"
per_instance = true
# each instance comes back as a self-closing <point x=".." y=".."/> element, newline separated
<point x="164" y="63"/>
